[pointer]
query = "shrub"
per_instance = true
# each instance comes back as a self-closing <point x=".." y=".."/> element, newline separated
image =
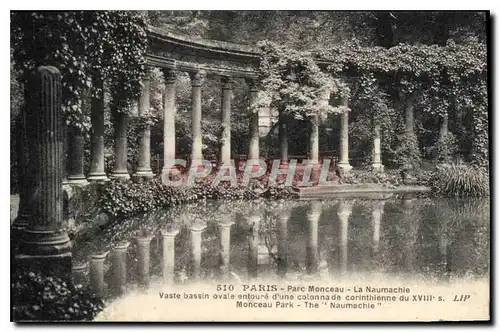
<point x="121" y="199"/>
<point x="126" y="198"/>
<point x="459" y="180"/>
<point x="41" y="298"/>
<point x="83" y="203"/>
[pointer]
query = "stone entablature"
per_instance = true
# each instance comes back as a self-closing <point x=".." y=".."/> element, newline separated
<point x="182" y="53"/>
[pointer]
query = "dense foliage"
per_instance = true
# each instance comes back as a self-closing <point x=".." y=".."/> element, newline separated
<point x="435" y="81"/>
<point x="83" y="45"/>
<point x="41" y="298"/>
<point x="316" y="29"/>
<point x="120" y="199"/>
<point x="441" y="80"/>
<point x="444" y="71"/>
<point x="292" y="82"/>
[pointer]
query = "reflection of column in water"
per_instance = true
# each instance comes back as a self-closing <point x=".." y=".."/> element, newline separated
<point x="119" y="268"/>
<point x="443" y="244"/>
<point x="97" y="274"/>
<point x="195" y="232"/>
<point x="344" y="212"/>
<point x="283" y="217"/>
<point x="225" y="243"/>
<point x="143" y="259"/>
<point x="168" y="261"/>
<point x="410" y="228"/>
<point x="378" y="210"/>
<point x="253" y="245"/>
<point x="79" y="273"/>
<point x="313" y="216"/>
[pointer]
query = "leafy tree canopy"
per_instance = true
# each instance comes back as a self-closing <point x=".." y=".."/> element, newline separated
<point x="108" y="45"/>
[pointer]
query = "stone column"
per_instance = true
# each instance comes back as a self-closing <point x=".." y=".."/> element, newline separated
<point x="283" y="137"/>
<point x="313" y="216"/>
<point x="76" y="144"/>
<point x="253" y="149"/>
<point x="169" y="118"/>
<point x="409" y="119"/>
<point x="377" y="160"/>
<point x="97" y="172"/>
<point x="196" y="232"/>
<point x="253" y="221"/>
<point x="225" y="244"/>
<point x="119" y="269"/>
<point x="411" y="222"/>
<point x="79" y="274"/>
<point x="282" y="239"/>
<point x="443" y="131"/>
<point x="344" y="139"/>
<point x="225" y="145"/>
<point x="96" y="274"/>
<point x="143" y="258"/>
<point x="443" y="246"/>
<point x="314" y="140"/>
<point x="120" y="120"/>
<point x="196" y="149"/>
<point x="344" y="212"/>
<point x="168" y="254"/>
<point x="378" y="211"/>
<point x="144" y="161"/>
<point x="45" y="244"/>
<point x="444" y="156"/>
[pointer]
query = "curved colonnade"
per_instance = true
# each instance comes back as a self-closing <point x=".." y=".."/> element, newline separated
<point x="200" y="58"/>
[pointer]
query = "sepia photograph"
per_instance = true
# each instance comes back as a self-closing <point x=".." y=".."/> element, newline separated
<point x="250" y="166"/>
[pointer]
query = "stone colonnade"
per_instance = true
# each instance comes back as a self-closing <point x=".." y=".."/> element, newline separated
<point x="97" y="168"/>
<point x="96" y="105"/>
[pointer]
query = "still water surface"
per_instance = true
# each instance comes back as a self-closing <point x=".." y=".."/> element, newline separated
<point x="434" y="239"/>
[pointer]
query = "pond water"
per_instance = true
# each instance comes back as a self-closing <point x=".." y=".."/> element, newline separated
<point x="418" y="238"/>
<point x="433" y="246"/>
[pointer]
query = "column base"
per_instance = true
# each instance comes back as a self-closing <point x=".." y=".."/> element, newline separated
<point x="77" y="180"/>
<point x="97" y="177"/>
<point x="146" y="174"/>
<point x="377" y="167"/>
<point x="344" y="166"/>
<point x="121" y="175"/>
<point x="44" y="243"/>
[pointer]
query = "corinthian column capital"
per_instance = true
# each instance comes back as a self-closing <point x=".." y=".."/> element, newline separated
<point x="169" y="75"/>
<point x="227" y="82"/>
<point x="252" y="84"/>
<point x="197" y="78"/>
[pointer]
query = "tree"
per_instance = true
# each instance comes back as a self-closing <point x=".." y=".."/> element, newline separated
<point x="82" y="45"/>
